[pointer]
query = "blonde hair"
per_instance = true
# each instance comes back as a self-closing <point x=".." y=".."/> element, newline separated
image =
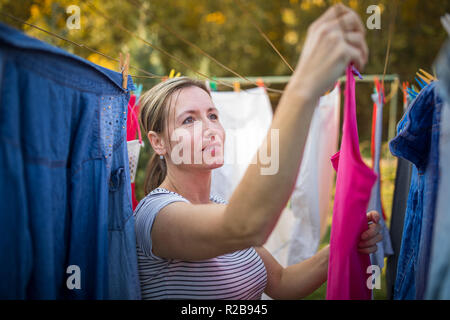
<point x="154" y="110"/>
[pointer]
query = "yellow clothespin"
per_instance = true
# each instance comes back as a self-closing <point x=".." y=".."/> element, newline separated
<point x="177" y="75"/>
<point x="171" y="74"/>
<point x="429" y="76"/>
<point x="123" y="67"/>
<point x="427" y="81"/>
<point x="237" y="86"/>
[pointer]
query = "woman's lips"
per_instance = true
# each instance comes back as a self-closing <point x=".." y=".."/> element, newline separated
<point x="212" y="147"/>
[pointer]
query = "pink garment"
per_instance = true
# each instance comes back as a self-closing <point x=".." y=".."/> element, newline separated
<point x="132" y="130"/>
<point x="132" y="119"/>
<point x="347" y="269"/>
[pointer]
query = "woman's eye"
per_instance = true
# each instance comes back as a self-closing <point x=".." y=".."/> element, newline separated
<point x="188" y="120"/>
<point x="213" y="116"/>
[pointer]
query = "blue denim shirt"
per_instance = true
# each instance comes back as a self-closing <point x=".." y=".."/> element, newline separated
<point x="417" y="141"/>
<point x="438" y="282"/>
<point x="65" y="206"/>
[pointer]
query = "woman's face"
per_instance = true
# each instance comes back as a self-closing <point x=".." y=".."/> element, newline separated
<point x="197" y="137"/>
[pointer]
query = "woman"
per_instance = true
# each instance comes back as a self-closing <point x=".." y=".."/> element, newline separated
<point x="192" y="245"/>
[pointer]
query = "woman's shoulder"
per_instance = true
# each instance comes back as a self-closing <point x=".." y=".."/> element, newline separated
<point x="217" y="199"/>
<point x="160" y="193"/>
<point x="158" y="198"/>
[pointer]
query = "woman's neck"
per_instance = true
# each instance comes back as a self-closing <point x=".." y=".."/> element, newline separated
<point x="194" y="185"/>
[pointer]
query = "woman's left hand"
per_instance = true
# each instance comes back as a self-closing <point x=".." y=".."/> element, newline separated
<point x="371" y="236"/>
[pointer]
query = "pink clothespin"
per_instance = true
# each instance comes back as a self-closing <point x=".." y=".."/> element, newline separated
<point x="356" y="72"/>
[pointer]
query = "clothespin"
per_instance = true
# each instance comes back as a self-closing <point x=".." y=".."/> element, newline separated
<point x="123" y="67"/>
<point x="356" y="72"/>
<point x="422" y="84"/>
<point x="164" y="78"/>
<point x="425" y="80"/>
<point x="429" y="76"/>
<point x="213" y="84"/>
<point x="379" y="90"/>
<point x="405" y="93"/>
<point x="260" y="82"/>
<point x="237" y="86"/>
<point x="171" y="74"/>
<point x="138" y="91"/>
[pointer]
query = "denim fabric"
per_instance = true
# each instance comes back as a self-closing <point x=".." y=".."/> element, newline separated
<point x="401" y="189"/>
<point x="64" y="181"/>
<point x="417" y="142"/>
<point x="384" y="248"/>
<point x="438" y="284"/>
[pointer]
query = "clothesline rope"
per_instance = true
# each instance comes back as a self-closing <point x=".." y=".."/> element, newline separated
<point x="149" y="74"/>
<point x="391" y="31"/>
<point x="178" y="36"/>
<point x="105" y="16"/>
<point x="243" y="9"/>
<point x="120" y="26"/>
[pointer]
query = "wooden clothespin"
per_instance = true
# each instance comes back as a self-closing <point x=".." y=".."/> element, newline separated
<point x="123" y="67"/>
<point x="237" y="86"/>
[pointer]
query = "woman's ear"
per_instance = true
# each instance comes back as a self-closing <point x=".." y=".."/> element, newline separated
<point x="157" y="142"/>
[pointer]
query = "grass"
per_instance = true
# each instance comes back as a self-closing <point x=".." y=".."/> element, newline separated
<point x="388" y="166"/>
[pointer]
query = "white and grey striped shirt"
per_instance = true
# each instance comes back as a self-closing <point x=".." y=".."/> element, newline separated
<point x="237" y="275"/>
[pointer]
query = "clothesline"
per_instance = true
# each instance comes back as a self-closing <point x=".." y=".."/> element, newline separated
<point x="367" y="78"/>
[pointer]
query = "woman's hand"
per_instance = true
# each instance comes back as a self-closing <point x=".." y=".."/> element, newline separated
<point x="371" y="236"/>
<point x="334" y="40"/>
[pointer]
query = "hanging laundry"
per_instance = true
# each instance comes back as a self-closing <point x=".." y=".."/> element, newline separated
<point x="384" y="248"/>
<point x="438" y="286"/>
<point x="347" y="270"/>
<point x="133" y="145"/>
<point x="297" y="235"/>
<point x="311" y="197"/>
<point x="400" y="199"/>
<point x="246" y="117"/>
<point x="418" y="142"/>
<point x="66" y="220"/>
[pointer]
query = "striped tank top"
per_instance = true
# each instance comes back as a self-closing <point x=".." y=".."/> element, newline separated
<point x="239" y="275"/>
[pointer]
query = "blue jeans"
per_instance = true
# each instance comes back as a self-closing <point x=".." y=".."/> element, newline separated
<point x="417" y="141"/>
<point x="438" y="286"/>
<point x="64" y="182"/>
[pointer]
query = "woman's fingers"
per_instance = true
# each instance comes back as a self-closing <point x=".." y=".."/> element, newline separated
<point x="353" y="54"/>
<point x="331" y="13"/>
<point x="333" y="41"/>
<point x="371" y="232"/>
<point x="349" y="22"/>
<point x="371" y="241"/>
<point x="356" y="40"/>
<point x="369" y="250"/>
<point x="373" y="216"/>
